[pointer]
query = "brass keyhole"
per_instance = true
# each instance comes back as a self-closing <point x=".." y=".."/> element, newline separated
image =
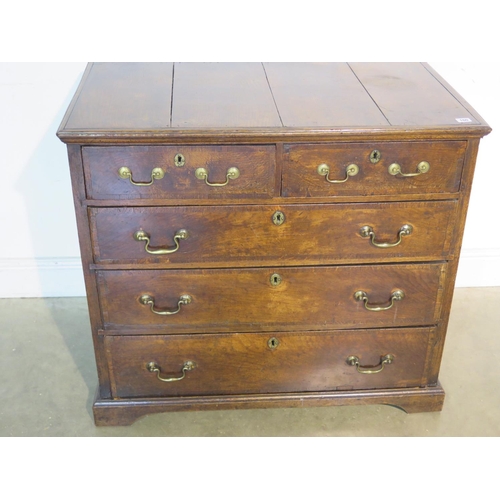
<point x="278" y="218"/>
<point x="179" y="160"/>
<point x="273" y="343"/>
<point x="375" y="156"/>
<point x="276" y="279"/>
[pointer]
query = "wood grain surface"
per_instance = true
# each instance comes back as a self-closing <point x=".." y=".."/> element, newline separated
<point x="78" y="185"/>
<point x="244" y="363"/>
<point x="301" y="161"/>
<point x="255" y="163"/>
<point x="222" y="95"/>
<point x="238" y="236"/>
<point x="141" y="101"/>
<point x="314" y="95"/>
<point x="313" y="298"/>
<point x="409" y="95"/>
<point x="115" y="97"/>
<point x="123" y="411"/>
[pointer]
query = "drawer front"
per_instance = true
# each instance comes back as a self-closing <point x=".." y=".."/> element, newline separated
<point x="266" y="363"/>
<point x="240" y="236"/>
<point x="301" y="177"/>
<point x="314" y="298"/>
<point x="105" y="180"/>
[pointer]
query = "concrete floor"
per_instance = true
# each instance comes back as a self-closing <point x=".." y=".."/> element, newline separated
<point x="48" y="380"/>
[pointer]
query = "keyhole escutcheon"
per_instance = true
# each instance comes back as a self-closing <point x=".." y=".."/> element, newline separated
<point x="375" y="156"/>
<point x="273" y="343"/>
<point x="179" y="160"/>
<point x="275" y="279"/>
<point x="278" y="218"/>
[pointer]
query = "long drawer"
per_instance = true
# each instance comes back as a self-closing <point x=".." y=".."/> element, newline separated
<point x="266" y="363"/>
<point x="291" y="298"/>
<point x="263" y="235"/>
<point x="424" y="167"/>
<point x="173" y="172"/>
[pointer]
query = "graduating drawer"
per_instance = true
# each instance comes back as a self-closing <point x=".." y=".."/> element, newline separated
<point x="238" y="236"/>
<point x="266" y="363"/>
<point x="267" y="299"/>
<point x="179" y="172"/>
<point x="382" y="168"/>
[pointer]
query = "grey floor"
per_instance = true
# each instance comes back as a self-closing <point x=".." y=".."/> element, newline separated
<point x="48" y="380"/>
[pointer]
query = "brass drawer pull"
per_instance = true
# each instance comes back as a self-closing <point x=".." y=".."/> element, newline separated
<point x="422" y="168"/>
<point x="181" y="234"/>
<point x="367" y="370"/>
<point x="202" y="174"/>
<point x="156" y="174"/>
<point x="153" y="367"/>
<point x="395" y="296"/>
<point x="351" y="171"/>
<point x="147" y="300"/>
<point x="367" y="232"/>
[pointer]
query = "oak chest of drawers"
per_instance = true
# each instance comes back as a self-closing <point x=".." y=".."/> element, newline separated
<point x="258" y="235"/>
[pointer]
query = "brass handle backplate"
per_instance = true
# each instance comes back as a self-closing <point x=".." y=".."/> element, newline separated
<point x="156" y="174"/>
<point x="202" y="174"/>
<point x="351" y="171"/>
<point x="181" y="234"/>
<point x="367" y="232"/>
<point x="148" y="300"/>
<point x="367" y="370"/>
<point x="363" y="296"/>
<point x="422" y="168"/>
<point x="154" y="368"/>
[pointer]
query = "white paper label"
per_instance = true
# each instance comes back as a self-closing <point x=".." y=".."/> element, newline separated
<point x="463" y="120"/>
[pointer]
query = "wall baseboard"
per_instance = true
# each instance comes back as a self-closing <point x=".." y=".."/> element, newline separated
<point x="63" y="277"/>
<point x="479" y="267"/>
<point x="49" y="277"/>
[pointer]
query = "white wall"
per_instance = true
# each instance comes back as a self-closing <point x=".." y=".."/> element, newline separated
<point x="478" y="83"/>
<point x="39" y="254"/>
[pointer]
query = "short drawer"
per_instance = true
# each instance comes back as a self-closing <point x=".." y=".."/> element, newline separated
<point x="313" y="298"/>
<point x="173" y="172"/>
<point x="238" y="236"/>
<point x="266" y="363"/>
<point x="371" y="168"/>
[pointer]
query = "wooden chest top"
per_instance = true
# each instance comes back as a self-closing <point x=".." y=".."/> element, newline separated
<point x="228" y="102"/>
